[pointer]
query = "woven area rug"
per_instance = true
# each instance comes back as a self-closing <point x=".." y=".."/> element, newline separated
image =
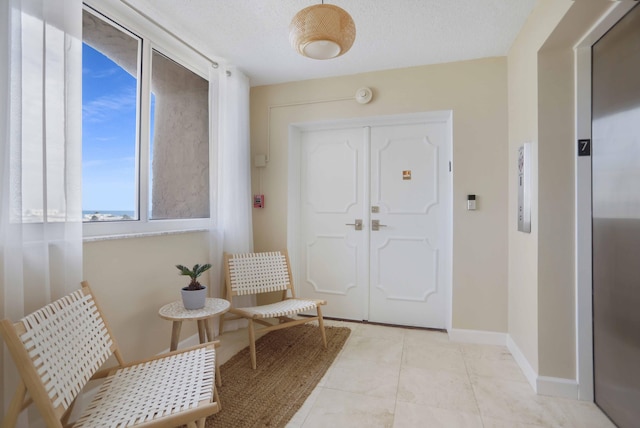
<point x="291" y="362"/>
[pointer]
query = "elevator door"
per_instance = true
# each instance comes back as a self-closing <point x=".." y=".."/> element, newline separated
<point x="616" y="221"/>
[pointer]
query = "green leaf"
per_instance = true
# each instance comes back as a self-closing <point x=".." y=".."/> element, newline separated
<point x="194" y="272"/>
<point x="202" y="269"/>
<point x="184" y="270"/>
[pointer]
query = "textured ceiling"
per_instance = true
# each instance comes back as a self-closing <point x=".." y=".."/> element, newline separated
<point x="253" y="34"/>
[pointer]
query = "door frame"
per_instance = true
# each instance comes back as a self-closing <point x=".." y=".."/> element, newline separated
<point x="294" y="200"/>
<point x="583" y="192"/>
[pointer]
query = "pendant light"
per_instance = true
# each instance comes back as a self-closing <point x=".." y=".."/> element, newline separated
<point x="322" y="31"/>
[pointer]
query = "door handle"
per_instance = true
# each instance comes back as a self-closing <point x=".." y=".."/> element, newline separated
<point x="357" y="225"/>
<point x="375" y="225"/>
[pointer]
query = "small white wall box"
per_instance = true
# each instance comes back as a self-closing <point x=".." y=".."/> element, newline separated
<point x="471" y="202"/>
<point x="258" y="201"/>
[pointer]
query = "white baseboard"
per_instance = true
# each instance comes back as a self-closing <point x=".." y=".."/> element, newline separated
<point x="557" y="387"/>
<point x="542" y="385"/>
<point x="521" y="360"/>
<point x="478" y="336"/>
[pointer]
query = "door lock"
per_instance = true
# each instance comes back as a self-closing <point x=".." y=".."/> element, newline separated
<point x="357" y="225"/>
<point x="375" y="225"/>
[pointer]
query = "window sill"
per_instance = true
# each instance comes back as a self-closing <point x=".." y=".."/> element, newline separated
<point x="139" y="235"/>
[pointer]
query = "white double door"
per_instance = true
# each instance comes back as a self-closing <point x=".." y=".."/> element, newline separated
<point x="395" y="175"/>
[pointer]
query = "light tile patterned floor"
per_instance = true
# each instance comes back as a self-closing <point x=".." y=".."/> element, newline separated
<point x="396" y="377"/>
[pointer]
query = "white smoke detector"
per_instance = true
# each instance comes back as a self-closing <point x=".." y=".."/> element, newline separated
<point x="364" y="95"/>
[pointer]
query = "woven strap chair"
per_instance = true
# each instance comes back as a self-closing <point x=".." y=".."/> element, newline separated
<point x="255" y="273"/>
<point x="61" y="347"/>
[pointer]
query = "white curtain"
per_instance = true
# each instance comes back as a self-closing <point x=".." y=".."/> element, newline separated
<point x="40" y="159"/>
<point x="232" y="227"/>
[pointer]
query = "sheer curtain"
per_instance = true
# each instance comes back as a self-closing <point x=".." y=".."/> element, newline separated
<point x="40" y="159"/>
<point x="232" y="228"/>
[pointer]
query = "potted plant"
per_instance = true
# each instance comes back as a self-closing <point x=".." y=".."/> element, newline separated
<point x="194" y="295"/>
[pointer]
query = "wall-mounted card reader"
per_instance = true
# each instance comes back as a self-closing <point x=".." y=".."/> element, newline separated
<point x="471" y="202"/>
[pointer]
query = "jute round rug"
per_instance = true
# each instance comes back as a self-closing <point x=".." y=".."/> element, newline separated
<point x="291" y="362"/>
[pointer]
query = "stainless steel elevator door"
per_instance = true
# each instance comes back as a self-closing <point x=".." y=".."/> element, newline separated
<point x="616" y="221"/>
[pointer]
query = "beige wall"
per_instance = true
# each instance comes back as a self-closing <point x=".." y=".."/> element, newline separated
<point x="476" y="93"/>
<point x="557" y="290"/>
<point x="541" y="110"/>
<point x="556" y="237"/>
<point x="132" y="278"/>
<point x="523" y="127"/>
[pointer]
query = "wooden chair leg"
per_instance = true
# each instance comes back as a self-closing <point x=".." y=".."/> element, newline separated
<point x="218" y="377"/>
<point x="221" y="325"/>
<point x="221" y="319"/>
<point x="252" y="344"/>
<point x="321" y="324"/>
<point x="15" y="407"/>
<point x="216" y="397"/>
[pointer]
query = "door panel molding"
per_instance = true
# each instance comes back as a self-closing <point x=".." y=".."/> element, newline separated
<point x="433" y="256"/>
<point x="297" y="203"/>
<point x="428" y="204"/>
<point x="315" y="198"/>
<point x="353" y="254"/>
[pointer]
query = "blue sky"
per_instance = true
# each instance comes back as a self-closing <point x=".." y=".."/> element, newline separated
<point x="108" y="134"/>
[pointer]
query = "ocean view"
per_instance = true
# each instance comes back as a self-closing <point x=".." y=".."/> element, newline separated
<point x="107" y="215"/>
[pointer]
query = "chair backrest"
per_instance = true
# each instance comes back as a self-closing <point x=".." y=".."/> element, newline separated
<point x="254" y="273"/>
<point x="59" y="347"/>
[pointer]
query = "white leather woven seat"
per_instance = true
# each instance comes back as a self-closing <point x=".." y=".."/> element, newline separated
<point x="144" y="392"/>
<point x="255" y="273"/>
<point x="279" y="309"/>
<point x="60" y="348"/>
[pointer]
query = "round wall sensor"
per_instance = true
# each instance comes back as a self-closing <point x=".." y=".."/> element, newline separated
<point x="364" y="95"/>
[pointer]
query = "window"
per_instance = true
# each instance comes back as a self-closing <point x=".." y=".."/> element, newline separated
<point x="180" y="139"/>
<point x="145" y="134"/>
<point x="110" y="61"/>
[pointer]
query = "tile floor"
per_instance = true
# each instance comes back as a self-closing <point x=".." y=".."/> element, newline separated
<point x="396" y="377"/>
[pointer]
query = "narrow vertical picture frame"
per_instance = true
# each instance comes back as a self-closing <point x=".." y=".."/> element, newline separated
<point x="524" y="188"/>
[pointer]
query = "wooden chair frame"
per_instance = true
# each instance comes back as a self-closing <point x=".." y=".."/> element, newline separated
<point x="256" y="273"/>
<point x="55" y="399"/>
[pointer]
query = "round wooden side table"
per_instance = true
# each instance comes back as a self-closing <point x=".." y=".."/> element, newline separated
<point x="176" y="312"/>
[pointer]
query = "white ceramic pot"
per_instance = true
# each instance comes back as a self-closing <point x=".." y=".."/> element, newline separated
<point x="194" y="299"/>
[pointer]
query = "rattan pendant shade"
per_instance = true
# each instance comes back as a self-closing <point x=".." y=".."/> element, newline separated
<point x="322" y="31"/>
